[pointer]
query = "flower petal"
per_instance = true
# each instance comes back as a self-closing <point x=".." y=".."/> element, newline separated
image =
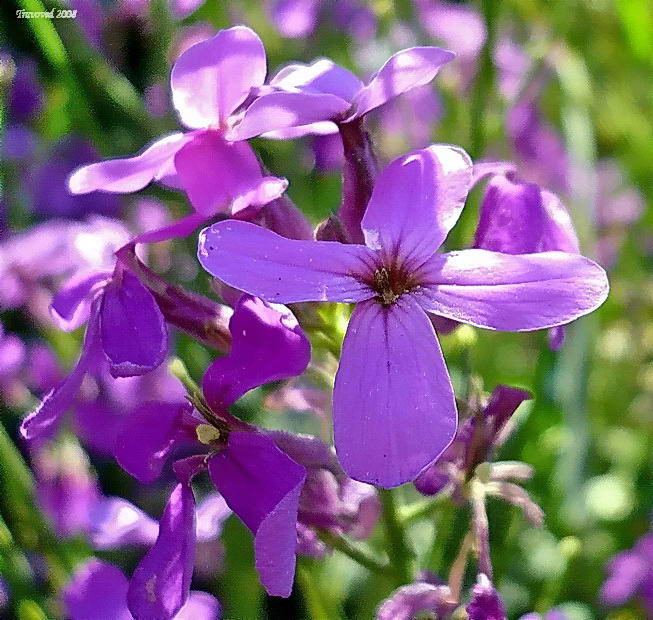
<point x="321" y="76"/>
<point x="221" y="176"/>
<point x="393" y="404"/>
<point x="282" y="270"/>
<point x="97" y="589"/>
<point x="267" y="345"/>
<point x="200" y="606"/>
<point x="132" y="328"/>
<point x="129" y="175"/>
<point x="115" y="523"/>
<point x="404" y="71"/>
<point x="160" y="584"/>
<point x="212" y="78"/>
<point x="181" y="228"/>
<point x="211" y="513"/>
<point x="262" y="486"/>
<point x="282" y="110"/>
<point x="58" y="400"/>
<point x="512" y="293"/>
<point x="71" y="305"/>
<point x="416" y="200"/>
<point x="147" y="437"/>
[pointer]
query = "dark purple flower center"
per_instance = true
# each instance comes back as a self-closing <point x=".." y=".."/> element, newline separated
<point x="391" y="283"/>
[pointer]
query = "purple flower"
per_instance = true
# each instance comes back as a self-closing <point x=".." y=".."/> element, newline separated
<point x="258" y="480"/>
<point x="630" y="574"/>
<point x="486" y="604"/>
<point x="50" y="192"/>
<point x="408" y="601"/>
<point x="125" y="327"/>
<point x="98" y="589"/>
<point x="392" y="392"/>
<point x="295" y="18"/>
<point x="26" y="94"/>
<point x="521" y="218"/>
<point x="303" y="99"/>
<point x="475" y="440"/>
<point x="210" y="82"/>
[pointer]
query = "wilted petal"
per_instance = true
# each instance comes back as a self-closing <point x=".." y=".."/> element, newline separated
<point x="132" y="328"/>
<point x="71" y="305"/>
<point x="392" y="394"/>
<point x="262" y="486"/>
<point x="282" y="110"/>
<point x="160" y="584"/>
<point x="146" y="439"/>
<point x="115" y="522"/>
<point x="58" y="400"/>
<point x="512" y="293"/>
<point x="212" y="78"/>
<point x="97" y="589"/>
<point x="221" y="176"/>
<point x="404" y="71"/>
<point x="282" y="270"/>
<point x="416" y="200"/>
<point x="267" y="345"/>
<point x="131" y="174"/>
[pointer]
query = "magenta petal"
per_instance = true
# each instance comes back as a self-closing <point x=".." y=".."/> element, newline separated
<point x="512" y="292"/>
<point x="220" y="176"/>
<point x="212" y="78"/>
<point x="392" y="394"/>
<point x="160" y="584"/>
<point x="146" y="439"/>
<point x="115" y="522"/>
<point x="262" y="486"/>
<point x="97" y="589"/>
<point x="131" y="174"/>
<point x="282" y="270"/>
<point x="404" y="71"/>
<point x="416" y="200"/>
<point x="58" y="400"/>
<point x="282" y="110"/>
<point x="267" y="345"/>
<point x="71" y="305"/>
<point x="132" y="328"/>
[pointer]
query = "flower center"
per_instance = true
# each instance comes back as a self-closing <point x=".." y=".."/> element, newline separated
<point x="390" y="284"/>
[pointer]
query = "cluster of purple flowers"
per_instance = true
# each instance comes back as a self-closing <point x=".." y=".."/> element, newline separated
<point x="395" y="415"/>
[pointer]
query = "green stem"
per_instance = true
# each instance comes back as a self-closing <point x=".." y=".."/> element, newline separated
<point x="356" y="553"/>
<point x="484" y="84"/>
<point x="401" y="555"/>
<point x="421" y="510"/>
<point x="318" y="607"/>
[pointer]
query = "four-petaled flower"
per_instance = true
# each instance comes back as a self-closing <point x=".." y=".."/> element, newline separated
<point x="394" y="407"/>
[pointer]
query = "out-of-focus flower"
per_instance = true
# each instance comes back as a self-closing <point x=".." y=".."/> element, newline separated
<point x="396" y="279"/>
<point x="295" y="19"/>
<point x="552" y="614"/>
<point x="26" y="95"/>
<point x="630" y="575"/>
<point x="409" y="601"/>
<point x="210" y="82"/>
<point x="98" y="589"/>
<point x="617" y="207"/>
<point x="50" y="191"/>
<point x="65" y="488"/>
